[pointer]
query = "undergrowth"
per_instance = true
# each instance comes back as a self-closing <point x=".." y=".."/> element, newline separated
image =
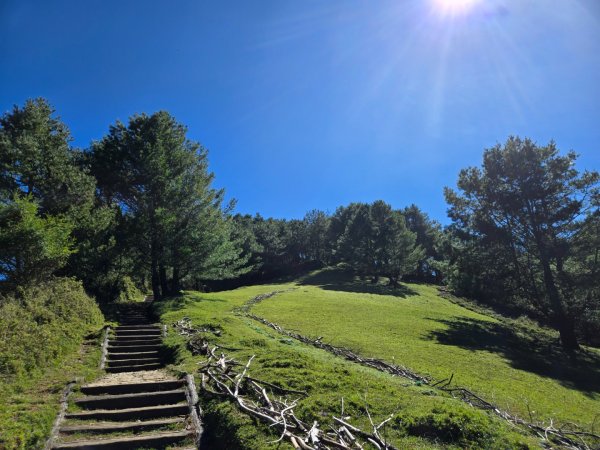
<point x="42" y="330"/>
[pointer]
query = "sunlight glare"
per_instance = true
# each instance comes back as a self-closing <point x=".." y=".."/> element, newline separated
<point x="454" y="7"/>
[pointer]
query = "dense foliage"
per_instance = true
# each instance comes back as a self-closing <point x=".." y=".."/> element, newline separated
<point x="57" y="313"/>
<point x="174" y="221"/>
<point x="526" y="223"/>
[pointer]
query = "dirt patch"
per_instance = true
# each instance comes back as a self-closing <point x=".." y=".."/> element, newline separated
<point x="142" y="376"/>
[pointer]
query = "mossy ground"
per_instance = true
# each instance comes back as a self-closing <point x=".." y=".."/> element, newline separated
<point x="49" y="335"/>
<point x="423" y="417"/>
<point x="29" y="405"/>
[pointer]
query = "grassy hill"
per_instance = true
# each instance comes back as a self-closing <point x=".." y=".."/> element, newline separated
<point x="512" y="364"/>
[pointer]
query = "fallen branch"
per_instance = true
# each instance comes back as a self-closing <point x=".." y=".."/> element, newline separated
<point x="572" y="439"/>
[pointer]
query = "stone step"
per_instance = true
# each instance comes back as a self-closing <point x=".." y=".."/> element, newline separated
<point x="131" y="388"/>
<point x="139" y="330"/>
<point x="112" y="427"/>
<point x="145" y="331"/>
<point x="130" y="342"/>
<point x="134" y="368"/>
<point x="135" y="322"/>
<point x="121" y="401"/>
<point x="135" y="327"/>
<point x="155" y="440"/>
<point x="147" y="412"/>
<point x="134" y="355"/>
<point x="133" y="347"/>
<point x="135" y="337"/>
<point x="132" y="361"/>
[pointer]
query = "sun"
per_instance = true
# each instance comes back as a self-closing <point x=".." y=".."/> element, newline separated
<point x="454" y="7"/>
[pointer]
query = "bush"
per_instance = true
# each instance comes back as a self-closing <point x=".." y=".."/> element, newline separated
<point x="41" y="324"/>
<point x="128" y="291"/>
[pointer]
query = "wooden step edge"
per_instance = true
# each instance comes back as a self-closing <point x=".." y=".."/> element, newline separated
<point x="179" y="407"/>
<point x="108" y="427"/>
<point x="152" y="440"/>
<point x="132" y="362"/>
<point x="136" y="368"/>
<point x="149" y="386"/>
<point x="92" y="398"/>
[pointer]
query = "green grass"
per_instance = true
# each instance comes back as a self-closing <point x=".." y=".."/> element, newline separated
<point x="41" y="335"/>
<point x="514" y="364"/>
<point x="29" y="405"/>
<point x="423" y="417"/>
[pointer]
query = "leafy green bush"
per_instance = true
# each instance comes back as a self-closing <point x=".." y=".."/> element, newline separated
<point x="32" y="247"/>
<point x="39" y="325"/>
<point x="129" y="291"/>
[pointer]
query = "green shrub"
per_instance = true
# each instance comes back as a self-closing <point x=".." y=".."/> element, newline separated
<point x="128" y="291"/>
<point x="39" y="325"/>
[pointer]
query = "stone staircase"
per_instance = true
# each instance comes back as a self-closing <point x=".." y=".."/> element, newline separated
<point x="136" y="405"/>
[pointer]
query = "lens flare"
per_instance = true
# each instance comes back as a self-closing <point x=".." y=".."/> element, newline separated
<point x="454" y="7"/>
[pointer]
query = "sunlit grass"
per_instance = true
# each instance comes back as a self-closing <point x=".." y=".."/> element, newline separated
<point x="423" y="418"/>
<point x="513" y="364"/>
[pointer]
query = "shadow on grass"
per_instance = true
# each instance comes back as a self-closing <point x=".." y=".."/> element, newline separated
<point x="525" y="350"/>
<point x="344" y="280"/>
<point x="169" y="304"/>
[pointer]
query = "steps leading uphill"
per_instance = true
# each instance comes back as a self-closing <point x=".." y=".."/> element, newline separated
<point x="136" y="405"/>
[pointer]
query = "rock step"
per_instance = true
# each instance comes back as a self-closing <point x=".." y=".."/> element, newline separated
<point x="133" y="347"/>
<point x="144" y="331"/>
<point x="112" y="427"/>
<point x="134" y="355"/>
<point x="155" y="440"/>
<point x="132" y="337"/>
<point x="134" y="368"/>
<point x="132" y="388"/>
<point x="135" y="327"/>
<point x="135" y="322"/>
<point x="132" y="400"/>
<point x="132" y="361"/>
<point x="128" y="342"/>
<point x="147" y="412"/>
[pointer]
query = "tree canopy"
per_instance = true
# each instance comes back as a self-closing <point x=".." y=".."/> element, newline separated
<point x="523" y="213"/>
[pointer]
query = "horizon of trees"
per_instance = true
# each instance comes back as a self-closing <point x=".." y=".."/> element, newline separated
<point x="138" y="207"/>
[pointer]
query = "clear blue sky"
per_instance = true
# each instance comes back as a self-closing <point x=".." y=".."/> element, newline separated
<point x="307" y="104"/>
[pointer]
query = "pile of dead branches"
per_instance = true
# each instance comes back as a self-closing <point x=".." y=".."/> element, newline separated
<point x="567" y="438"/>
<point x="221" y="377"/>
<point x="259" y="298"/>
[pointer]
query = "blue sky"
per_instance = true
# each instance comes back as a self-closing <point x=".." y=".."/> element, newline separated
<point x="306" y="104"/>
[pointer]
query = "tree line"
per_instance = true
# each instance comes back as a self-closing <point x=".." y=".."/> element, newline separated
<point x="138" y="207"/>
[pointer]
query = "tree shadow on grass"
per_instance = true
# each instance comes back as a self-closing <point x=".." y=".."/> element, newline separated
<point x="344" y="280"/>
<point x="525" y="350"/>
<point x="180" y="302"/>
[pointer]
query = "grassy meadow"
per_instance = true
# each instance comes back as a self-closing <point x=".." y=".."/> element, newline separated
<point x="514" y="364"/>
<point x="374" y="325"/>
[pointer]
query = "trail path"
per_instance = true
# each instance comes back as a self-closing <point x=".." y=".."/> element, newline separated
<point x="136" y="404"/>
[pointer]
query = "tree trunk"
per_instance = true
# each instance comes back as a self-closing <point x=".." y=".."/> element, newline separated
<point x="565" y="325"/>
<point x="175" y="286"/>
<point x="155" y="280"/>
<point x="568" y="338"/>
<point x="164" y="284"/>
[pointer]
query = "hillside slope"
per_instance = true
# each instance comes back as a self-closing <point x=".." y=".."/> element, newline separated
<point x="514" y="364"/>
<point x="412" y="328"/>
